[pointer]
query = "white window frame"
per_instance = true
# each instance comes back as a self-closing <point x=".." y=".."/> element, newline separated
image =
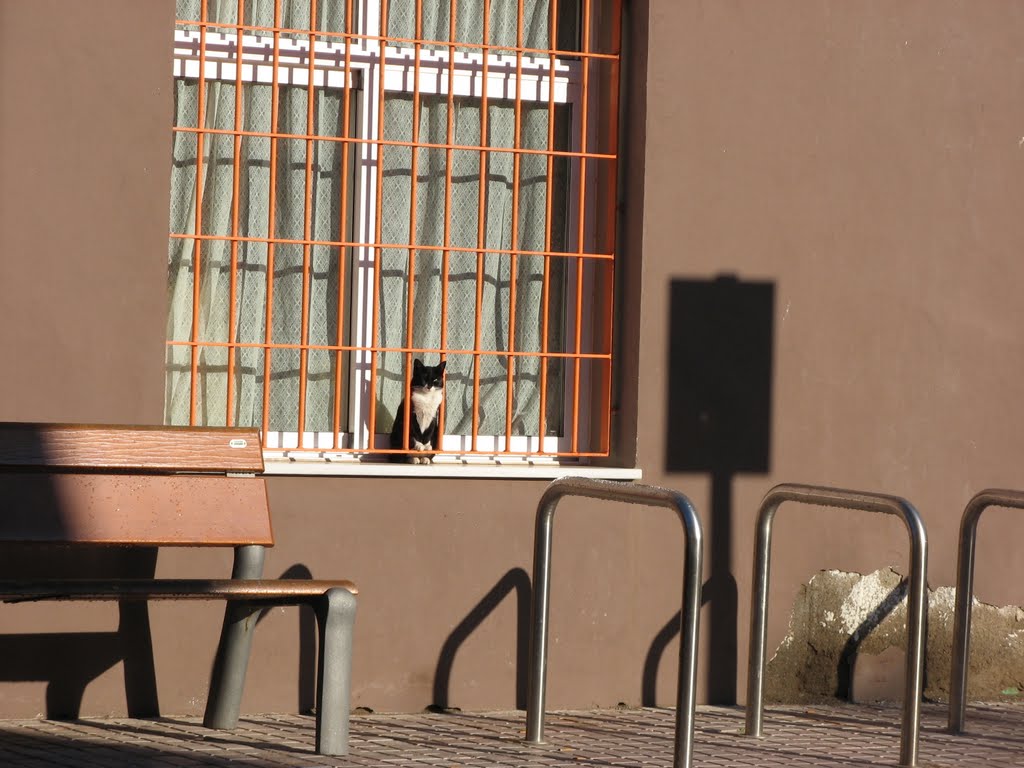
<point x="399" y="72"/>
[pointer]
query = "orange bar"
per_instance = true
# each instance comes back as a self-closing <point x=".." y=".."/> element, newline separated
<point x="378" y="252"/>
<point x="414" y="350"/>
<point x="581" y="227"/>
<point x="546" y="284"/>
<point x="448" y="213"/>
<point x="421" y="246"/>
<point x="410" y="40"/>
<point x="196" y="247"/>
<point x="480" y="230"/>
<point x="342" y="231"/>
<point x="410" y="310"/>
<point x="307" y="224"/>
<point x="235" y="194"/>
<point x="514" y="260"/>
<point x="523" y="453"/>
<point x="612" y="221"/>
<point x="268" y="331"/>
<point x="400" y="143"/>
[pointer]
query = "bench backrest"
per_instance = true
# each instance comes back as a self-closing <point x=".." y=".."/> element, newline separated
<point x="90" y="447"/>
<point x="155" y="486"/>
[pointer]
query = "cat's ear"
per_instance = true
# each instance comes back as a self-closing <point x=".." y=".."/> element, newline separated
<point x="417" y="364"/>
<point x="440" y="367"/>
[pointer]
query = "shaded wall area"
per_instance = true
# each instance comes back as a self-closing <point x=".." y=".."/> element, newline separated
<point x="863" y="158"/>
<point x="83" y="207"/>
<point x="84" y="142"/>
<point x="718" y="422"/>
<point x="859" y="159"/>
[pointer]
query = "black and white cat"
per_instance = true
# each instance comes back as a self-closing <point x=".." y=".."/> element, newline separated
<point x="426" y="391"/>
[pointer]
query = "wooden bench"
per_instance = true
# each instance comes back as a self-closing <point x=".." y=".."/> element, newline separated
<point x="82" y="485"/>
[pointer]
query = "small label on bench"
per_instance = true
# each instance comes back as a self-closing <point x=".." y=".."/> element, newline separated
<point x="238" y="443"/>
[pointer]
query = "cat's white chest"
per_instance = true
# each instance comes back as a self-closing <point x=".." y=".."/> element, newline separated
<point x="425" y="403"/>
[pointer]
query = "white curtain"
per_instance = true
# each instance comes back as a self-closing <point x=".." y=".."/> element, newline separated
<point x="285" y="281"/>
<point x="469" y="21"/>
<point x="252" y="259"/>
<point x="496" y="299"/>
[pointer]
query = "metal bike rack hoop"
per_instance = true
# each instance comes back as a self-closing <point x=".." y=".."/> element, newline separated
<point x="991" y="497"/>
<point x="916" y="605"/>
<point x="631" y="493"/>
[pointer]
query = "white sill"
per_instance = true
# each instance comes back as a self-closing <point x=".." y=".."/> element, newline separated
<point x="442" y="467"/>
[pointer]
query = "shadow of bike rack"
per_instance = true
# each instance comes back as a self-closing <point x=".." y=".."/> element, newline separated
<point x="631" y="493"/>
<point x="990" y="497"/>
<point x="916" y="596"/>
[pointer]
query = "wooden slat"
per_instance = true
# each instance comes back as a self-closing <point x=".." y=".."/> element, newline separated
<point x="25" y="445"/>
<point x="167" y="589"/>
<point x="149" y="510"/>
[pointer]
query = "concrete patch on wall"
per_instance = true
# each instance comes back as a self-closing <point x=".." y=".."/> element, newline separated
<point x="847" y="639"/>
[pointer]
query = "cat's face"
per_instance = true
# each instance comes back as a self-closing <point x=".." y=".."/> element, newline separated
<point x="427" y="376"/>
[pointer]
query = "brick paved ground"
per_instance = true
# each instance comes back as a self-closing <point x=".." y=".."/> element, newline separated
<point x="794" y="736"/>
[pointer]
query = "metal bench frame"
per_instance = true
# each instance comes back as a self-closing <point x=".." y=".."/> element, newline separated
<point x="990" y="497"/>
<point x="631" y="493"/>
<point x="917" y="604"/>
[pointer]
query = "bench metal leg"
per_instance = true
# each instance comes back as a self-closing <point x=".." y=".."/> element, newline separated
<point x="336" y="615"/>
<point x="139" y="672"/>
<point x="232" y="659"/>
<point x="136" y="639"/>
<point x="990" y="497"/>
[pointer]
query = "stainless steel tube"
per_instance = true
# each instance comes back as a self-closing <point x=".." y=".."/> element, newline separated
<point x="917" y="598"/>
<point x="631" y="493"/>
<point x="991" y="497"/>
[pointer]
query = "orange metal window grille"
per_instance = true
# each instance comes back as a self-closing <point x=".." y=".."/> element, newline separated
<point x="356" y="185"/>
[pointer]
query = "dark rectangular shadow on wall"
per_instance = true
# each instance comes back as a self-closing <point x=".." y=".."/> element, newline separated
<point x="719" y="419"/>
<point x="720" y="376"/>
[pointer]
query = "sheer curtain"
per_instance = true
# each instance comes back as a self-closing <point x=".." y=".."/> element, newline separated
<point x="466" y="231"/>
<point x="252" y="258"/>
<point x="469" y="21"/>
<point x="256" y="278"/>
<point x="496" y="295"/>
<point x="252" y="261"/>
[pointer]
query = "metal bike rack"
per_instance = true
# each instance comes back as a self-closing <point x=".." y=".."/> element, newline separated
<point x="916" y="606"/>
<point x="991" y="497"/>
<point x="632" y="493"/>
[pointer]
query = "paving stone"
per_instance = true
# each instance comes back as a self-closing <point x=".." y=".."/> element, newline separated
<point x="815" y="737"/>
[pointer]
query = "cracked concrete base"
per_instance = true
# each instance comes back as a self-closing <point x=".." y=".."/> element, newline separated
<point x="847" y="639"/>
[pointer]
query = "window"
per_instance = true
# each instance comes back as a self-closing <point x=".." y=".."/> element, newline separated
<point x="358" y="183"/>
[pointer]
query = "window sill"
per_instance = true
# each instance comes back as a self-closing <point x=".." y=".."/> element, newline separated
<point x="316" y="466"/>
